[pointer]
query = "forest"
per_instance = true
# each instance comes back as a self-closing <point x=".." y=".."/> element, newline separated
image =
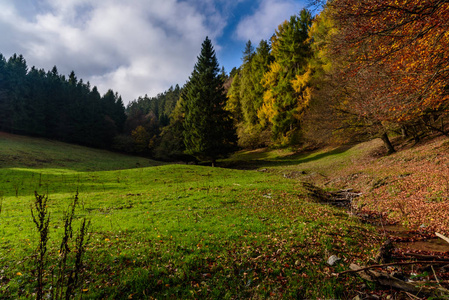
<point x="357" y="70"/>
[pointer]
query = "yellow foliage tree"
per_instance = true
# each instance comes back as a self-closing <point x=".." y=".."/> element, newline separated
<point x="291" y="51"/>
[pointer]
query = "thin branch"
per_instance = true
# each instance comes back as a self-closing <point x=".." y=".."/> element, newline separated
<point x="435" y="274"/>
<point x="394" y="264"/>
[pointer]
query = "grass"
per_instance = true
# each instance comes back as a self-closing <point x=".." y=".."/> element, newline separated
<point x="176" y="231"/>
<point x="38" y="154"/>
<point x="410" y="187"/>
<point x="315" y="166"/>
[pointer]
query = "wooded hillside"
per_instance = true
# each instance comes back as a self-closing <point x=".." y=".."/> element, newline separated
<point x="356" y="71"/>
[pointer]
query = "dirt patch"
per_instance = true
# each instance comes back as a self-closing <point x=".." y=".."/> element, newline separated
<point x="431" y="245"/>
<point x="412" y="240"/>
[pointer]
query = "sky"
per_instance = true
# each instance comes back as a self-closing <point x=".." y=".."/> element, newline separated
<point x="135" y="47"/>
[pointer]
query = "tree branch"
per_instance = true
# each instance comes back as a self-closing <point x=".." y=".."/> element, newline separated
<point x="394" y="264"/>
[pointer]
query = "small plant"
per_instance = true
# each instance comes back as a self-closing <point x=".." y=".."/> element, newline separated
<point x="80" y="245"/>
<point x="16" y="189"/>
<point x="64" y="249"/>
<point x="41" y="217"/>
<point x="65" y="284"/>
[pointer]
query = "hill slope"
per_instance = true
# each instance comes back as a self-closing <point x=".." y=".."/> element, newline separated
<point x="190" y="232"/>
<point x="173" y="231"/>
<point x="410" y="187"/>
<point x="27" y="152"/>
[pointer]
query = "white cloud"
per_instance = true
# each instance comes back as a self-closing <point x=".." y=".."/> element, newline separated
<point x="266" y="19"/>
<point x="134" y="47"/>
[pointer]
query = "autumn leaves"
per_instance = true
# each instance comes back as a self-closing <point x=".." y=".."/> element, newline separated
<point x="359" y="68"/>
<point x="398" y="50"/>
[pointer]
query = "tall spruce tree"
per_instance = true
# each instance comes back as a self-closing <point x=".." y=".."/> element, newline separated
<point x="208" y="128"/>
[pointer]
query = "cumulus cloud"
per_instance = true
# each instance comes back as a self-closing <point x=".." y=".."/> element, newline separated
<point x="266" y="18"/>
<point x="135" y="46"/>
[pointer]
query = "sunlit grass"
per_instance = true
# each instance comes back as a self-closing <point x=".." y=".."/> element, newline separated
<point x="178" y="231"/>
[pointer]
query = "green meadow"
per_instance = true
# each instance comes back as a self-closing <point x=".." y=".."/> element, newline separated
<point x="175" y="231"/>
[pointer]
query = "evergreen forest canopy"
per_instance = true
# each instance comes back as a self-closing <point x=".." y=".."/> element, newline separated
<point x="358" y="70"/>
<point x="47" y="104"/>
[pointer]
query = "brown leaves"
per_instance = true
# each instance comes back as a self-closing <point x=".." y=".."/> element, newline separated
<point x="419" y="200"/>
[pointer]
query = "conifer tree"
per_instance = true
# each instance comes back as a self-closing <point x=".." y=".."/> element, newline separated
<point x="283" y="106"/>
<point x="248" y="53"/>
<point x="245" y="97"/>
<point x="208" y="128"/>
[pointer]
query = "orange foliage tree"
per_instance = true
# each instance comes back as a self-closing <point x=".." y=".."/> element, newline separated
<point x="402" y="48"/>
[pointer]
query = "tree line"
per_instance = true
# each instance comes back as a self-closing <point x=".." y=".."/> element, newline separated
<point x="46" y="104"/>
<point x="357" y="70"/>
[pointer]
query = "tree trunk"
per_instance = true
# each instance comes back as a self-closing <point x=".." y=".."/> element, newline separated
<point x="387" y="143"/>
<point x="404" y="131"/>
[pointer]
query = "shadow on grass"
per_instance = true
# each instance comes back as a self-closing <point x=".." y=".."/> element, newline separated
<point x="290" y="160"/>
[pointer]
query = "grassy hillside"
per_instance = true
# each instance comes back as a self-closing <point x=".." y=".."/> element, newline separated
<point x="177" y="231"/>
<point x="35" y="153"/>
<point x="172" y="231"/>
<point x="410" y="187"/>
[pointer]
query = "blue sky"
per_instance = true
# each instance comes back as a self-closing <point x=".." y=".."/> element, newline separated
<point x="135" y="47"/>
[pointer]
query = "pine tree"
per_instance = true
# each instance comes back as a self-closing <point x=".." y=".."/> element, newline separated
<point x="208" y="128"/>
<point x="248" y="53"/>
<point x="6" y="109"/>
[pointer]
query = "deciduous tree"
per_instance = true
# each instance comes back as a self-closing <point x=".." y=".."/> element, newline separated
<point x="282" y="105"/>
<point x="342" y="108"/>
<point x="407" y="42"/>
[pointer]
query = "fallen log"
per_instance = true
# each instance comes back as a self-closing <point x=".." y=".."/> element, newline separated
<point x="426" y="257"/>
<point x="387" y="280"/>
<point x="360" y="269"/>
